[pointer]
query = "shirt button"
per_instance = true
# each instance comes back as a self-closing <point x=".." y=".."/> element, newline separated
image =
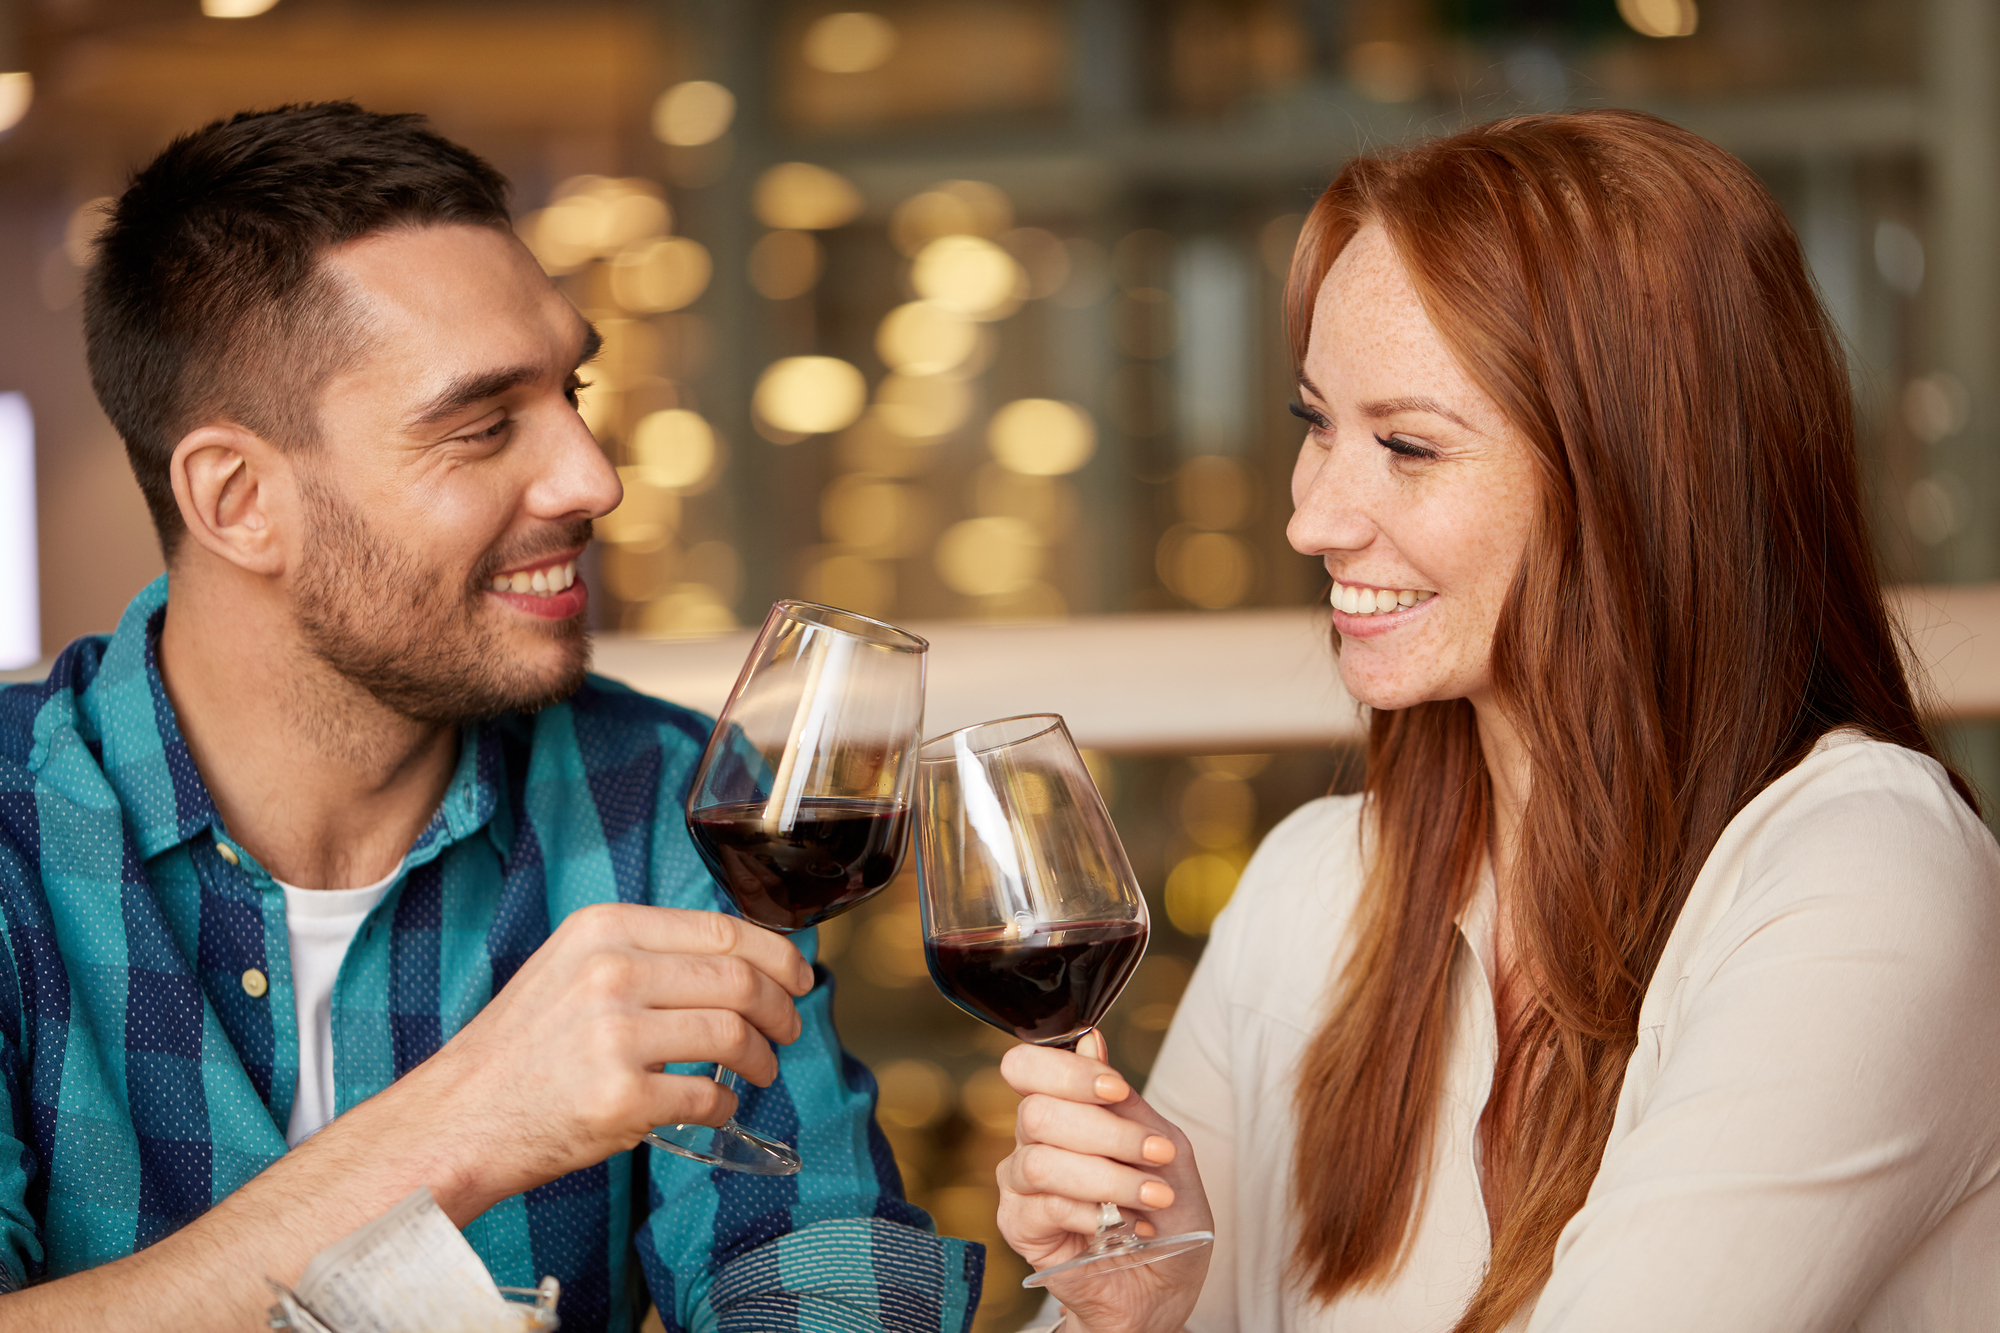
<point x="255" y="983"/>
<point x="227" y="853"/>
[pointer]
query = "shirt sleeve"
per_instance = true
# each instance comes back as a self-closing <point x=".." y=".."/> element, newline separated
<point x="835" y="1247"/>
<point x="22" y="1257"/>
<point x="1830" y="1089"/>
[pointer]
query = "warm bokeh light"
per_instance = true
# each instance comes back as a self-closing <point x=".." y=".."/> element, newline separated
<point x="673" y="449"/>
<point x="851" y="43"/>
<point x="652" y="276"/>
<point x="17" y="94"/>
<point x="810" y="394"/>
<point x="592" y="217"/>
<point x="1210" y="569"/>
<point x="968" y="274"/>
<point x="1660" y="18"/>
<point x="870" y="446"/>
<point x="1388" y="71"/>
<point x="690" y="114"/>
<point x="1213" y="493"/>
<point x="80" y="232"/>
<point x="857" y="584"/>
<point x="1048" y="503"/>
<point x="983" y="557"/>
<point x="925" y="338"/>
<point x="1198" y="888"/>
<point x="785" y="264"/>
<point x="799" y="196"/>
<point x="1042" y="437"/>
<point x="923" y="407"/>
<point x="235" y="9"/>
<point x="687" y="610"/>
<point x="645" y="519"/>
<point x="950" y="208"/>
<point x="1042" y="256"/>
<point x="871" y="514"/>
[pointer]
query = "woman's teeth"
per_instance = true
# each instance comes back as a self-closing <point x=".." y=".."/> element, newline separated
<point x="1375" y="601"/>
<point x="542" y="582"/>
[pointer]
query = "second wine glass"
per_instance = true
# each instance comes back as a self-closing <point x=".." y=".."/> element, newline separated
<point x="1033" y="921"/>
<point x="801" y="802"/>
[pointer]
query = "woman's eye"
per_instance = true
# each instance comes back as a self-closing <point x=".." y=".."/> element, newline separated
<point x="1306" y="414"/>
<point x="1401" y="447"/>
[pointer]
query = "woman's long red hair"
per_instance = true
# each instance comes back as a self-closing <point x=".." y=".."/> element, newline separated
<point x="1697" y="605"/>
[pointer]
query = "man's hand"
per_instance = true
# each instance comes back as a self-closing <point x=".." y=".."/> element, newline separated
<point x="558" y="1072"/>
<point x="561" y="1069"/>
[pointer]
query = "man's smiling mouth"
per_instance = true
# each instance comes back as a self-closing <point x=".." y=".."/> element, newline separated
<point x="540" y="581"/>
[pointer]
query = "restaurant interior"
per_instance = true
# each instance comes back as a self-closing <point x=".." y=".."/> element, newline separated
<point x="966" y="314"/>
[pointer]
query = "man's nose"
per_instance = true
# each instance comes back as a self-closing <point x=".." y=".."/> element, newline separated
<point x="578" y="480"/>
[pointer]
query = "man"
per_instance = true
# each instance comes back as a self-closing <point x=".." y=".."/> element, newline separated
<point x="335" y="831"/>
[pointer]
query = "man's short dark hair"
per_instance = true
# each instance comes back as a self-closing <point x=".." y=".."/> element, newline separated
<point x="207" y="301"/>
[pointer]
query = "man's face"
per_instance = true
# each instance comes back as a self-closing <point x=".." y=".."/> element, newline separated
<point x="451" y="470"/>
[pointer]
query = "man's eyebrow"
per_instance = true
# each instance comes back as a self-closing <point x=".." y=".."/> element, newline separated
<point x="1389" y="407"/>
<point x="466" y="390"/>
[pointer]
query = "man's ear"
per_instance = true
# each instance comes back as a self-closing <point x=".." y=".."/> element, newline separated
<point x="235" y="491"/>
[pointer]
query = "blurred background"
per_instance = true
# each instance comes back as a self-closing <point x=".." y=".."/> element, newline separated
<point x="968" y="310"/>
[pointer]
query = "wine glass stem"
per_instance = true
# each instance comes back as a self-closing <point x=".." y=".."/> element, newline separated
<point x="729" y="1079"/>
<point x="1114" y="1229"/>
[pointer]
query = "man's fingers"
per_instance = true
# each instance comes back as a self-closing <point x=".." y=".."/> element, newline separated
<point x="1064" y="1074"/>
<point x="688" y="1099"/>
<point x="677" y="930"/>
<point x="706" y="1036"/>
<point x="698" y="981"/>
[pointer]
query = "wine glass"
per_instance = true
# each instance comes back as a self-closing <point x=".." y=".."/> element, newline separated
<point x="801" y="802"/>
<point x="1032" y="919"/>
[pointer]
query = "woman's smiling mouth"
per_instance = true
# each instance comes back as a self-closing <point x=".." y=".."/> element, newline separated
<point x="1360" y="600"/>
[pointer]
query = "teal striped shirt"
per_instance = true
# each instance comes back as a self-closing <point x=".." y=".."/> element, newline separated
<point x="143" y="1081"/>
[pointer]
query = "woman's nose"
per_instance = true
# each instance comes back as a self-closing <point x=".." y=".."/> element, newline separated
<point x="1330" y="510"/>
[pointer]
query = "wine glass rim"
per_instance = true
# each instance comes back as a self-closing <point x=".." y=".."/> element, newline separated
<point x="949" y="739"/>
<point x="893" y="637"/>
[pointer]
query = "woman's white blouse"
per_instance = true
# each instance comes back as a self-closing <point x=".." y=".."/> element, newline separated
<point x="1807" y="1135"/>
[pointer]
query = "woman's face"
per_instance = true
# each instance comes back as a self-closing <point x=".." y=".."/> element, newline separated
<point x="1410" y="487"/>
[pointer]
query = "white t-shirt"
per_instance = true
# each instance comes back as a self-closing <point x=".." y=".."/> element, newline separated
<point x="1808" y="1134"/>
<point x="320" y="923"/>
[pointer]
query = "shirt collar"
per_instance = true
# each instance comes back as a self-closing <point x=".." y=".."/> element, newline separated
<point x="166" y="803"/>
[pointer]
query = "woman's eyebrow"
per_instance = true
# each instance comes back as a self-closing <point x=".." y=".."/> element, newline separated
<point x="1389" y="407"/>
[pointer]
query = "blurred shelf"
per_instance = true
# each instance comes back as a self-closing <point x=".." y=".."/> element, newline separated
<point x="1224" y="681"/>
<point x="1214" y="682"/>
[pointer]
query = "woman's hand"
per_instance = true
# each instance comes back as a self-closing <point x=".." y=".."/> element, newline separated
<point x="1081" y="1137"/>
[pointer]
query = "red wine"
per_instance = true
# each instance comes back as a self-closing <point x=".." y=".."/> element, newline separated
<point x="1049" y="986"/>
<point x="836" y="853"/>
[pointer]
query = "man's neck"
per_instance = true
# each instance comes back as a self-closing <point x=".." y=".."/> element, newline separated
<point x="312" y="775"/>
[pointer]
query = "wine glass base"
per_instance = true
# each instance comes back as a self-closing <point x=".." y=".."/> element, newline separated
<point x="731" y="1147"/>
<point x="1124" y="1252"/>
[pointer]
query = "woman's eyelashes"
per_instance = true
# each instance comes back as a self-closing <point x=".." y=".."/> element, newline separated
<point x="1402" y="448"/>
<point x="1306" y="414"/>
<point x="1395" y="444"/>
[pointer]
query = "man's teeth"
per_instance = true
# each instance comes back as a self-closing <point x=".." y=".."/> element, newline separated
<point x="1375" y="601"/>
<point x="542" y="582"/>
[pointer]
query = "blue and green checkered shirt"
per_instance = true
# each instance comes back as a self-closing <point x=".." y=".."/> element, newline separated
<point x="143" y="1083"/>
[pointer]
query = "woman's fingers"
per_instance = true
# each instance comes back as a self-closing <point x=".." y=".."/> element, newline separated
<point x="1064" y="1074"/>
<point x="1089" y="1129"/>
<point x="1044" y="1169"/>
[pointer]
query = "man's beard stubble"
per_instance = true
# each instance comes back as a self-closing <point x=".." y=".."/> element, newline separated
<point x="371" y="610"/>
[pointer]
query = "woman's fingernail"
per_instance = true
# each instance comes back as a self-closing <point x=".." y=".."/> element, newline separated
<point x="1157" y="1149"/>
<point x="1110" y="1087"/>
<point x="1155" y="1194"/>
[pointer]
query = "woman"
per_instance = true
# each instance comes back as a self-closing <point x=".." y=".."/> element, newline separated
<point x="1653" y="982"/>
